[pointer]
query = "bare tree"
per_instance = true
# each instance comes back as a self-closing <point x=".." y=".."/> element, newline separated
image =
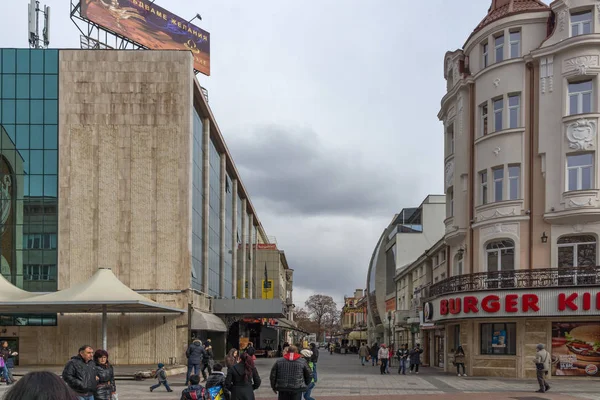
<point x="302" y="318"/>
<point x="319" y="307"/>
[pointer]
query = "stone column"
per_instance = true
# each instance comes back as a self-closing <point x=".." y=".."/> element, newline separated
<point x="222" y="216"/>
<point x="206" y="203"/>
<point x="234" y="240"/>
<point x="244" y="244"/>
<point x="252" y="256"/>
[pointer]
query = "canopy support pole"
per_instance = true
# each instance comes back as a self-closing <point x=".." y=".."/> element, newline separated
<point x="104" y="328"/>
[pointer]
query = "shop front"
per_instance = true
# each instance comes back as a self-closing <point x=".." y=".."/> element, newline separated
<point x="499" y="330"/>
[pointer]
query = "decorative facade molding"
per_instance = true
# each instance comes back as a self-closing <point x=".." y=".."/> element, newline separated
<point x="512" y="228"/>
<point x="497" y="214"/>
<point x="449" y="169"/>
<point x="496" y="82"/>
<point x="578" y="228"/>
<point x="562" y="20"/>
<point x="581" y="134"/>
<point x="581" y="64"/>
<point x="573" y="203"/>
<point x="496" y="151"/>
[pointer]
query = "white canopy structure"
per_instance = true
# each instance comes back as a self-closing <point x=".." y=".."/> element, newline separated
<point x="102" y="293"/>
<point x="9" y="292"/>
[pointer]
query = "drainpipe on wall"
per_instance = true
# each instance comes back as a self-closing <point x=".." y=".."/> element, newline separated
<point x="531" y="76"/>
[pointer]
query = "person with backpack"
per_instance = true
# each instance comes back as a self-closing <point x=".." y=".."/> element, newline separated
<point x="215" y="384"/>
<point x="195" y="391"/>
<point x="161" y="375"/>
<point x="307" y="354"/>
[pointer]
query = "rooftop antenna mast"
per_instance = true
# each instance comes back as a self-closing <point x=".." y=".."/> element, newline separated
<point x="35" y="40"/>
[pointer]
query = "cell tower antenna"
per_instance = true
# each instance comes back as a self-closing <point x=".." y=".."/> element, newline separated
<point x="35" y="40"/>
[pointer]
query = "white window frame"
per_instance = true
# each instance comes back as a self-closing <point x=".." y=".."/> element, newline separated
<point x="514" y="42"/>
<point x="483" y="187"/>
<point x="459" y="266"/>
<point x="499" y="251"/>
<point x="579" y="169"/>
<point x="495" y="181"/>
<point x="580" y="24"/>
<point x="451" y="202"/>
<point x="511" y="195"/>
<point x="499" y="47"/>
<point x="485" y="52"/>
<point x="579" y="96"/>
<point x="450" y="138"/>
<point x="485" y="119"/>
<point x="514" y="124"/>
<point x="575" y="250"/>
<point x="500" y="111"/>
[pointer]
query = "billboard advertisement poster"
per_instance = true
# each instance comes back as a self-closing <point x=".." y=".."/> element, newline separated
<point x="151" y="26"/>
<point x="576" y="348"/>
<point x="499" y="339"/>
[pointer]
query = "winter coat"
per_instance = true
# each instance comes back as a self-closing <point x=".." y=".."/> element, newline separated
<point x="161" y="375"/>
<point x="374" y="351"/>
<point x="402" y="354"/>
<point x="80" y="376"/>
<point x="290" y="374"/>
<point x="315" y="354"/>
<point x="217" y="378"/>
<point x="186" y="394"/>
<point x="383" y="353"/>
<point x="415" y="356"/>
<point x="6" y="354"/>
<point x="106" y="382"/>
<point x="195" y="353"/>
<point x="208" y="355"/>
<point x="363" y="351"/>
<point x="542" y="356"/>
<point x="236" y="383"/>
<point x="459" y="358"/>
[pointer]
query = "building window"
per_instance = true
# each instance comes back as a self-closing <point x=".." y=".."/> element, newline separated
<point x="39" y="240"/>
<point x="580" y="171"/>
<point x="484" y="51"/>
<point x="499" y="48"/>
<point x="483" y="197"/>
<point x="36" y="272"/>
<point x="580" y="97"/>
<point x="515" y="44"/>
<point x="459" y="265"/>
<point x="514" y="182"/>
<point x="442" y="256"/>
<point x="500" y="255"/>
<point x="450" y="137"/>
<point x="28" y="320"/>
<point x="498" y="174"/>
<point x="498" y="114"/>
<point x="484" y="119"/>
<point x="499" y="339"/>
<point x="450" y="202"/>
<point x="576" y="251"/>
<point x="514" y="110"/>
<point x="581" y="23"/>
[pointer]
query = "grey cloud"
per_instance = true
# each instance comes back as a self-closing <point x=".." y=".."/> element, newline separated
<point x="295" y="172"/>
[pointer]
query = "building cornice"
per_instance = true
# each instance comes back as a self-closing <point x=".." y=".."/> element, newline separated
<point x="570" y="43"/>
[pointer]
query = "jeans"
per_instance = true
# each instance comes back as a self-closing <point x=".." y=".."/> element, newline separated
<point x="309" y="391"/>
<point x="458" y="365"/>
<point x="374" y="359"/>
<point x="541" y="378"/>
<point x="315" y="372"/>
<point x="416" y="367"/>
<point x="196" y="368"/>
<point x="289" y="396"/>
<point x="165" y="383"/>
<point x="383" y="366"/>
<point x="402" y="367"/>
<point x="85" y="397"/>
<point x="5" y="374"/>
<point x="204" y="367"/>
<point x="363" y="360"/>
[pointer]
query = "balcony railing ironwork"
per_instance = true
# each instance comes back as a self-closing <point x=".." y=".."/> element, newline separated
<point x="518" y="279"/>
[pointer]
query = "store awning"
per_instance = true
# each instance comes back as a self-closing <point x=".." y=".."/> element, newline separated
<point x="202" y="321"/>
<point x="357" y="335"/>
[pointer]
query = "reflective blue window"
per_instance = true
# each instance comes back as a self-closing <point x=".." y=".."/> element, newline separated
<point x="36" y="109"/>
<point x="22" y="111"/>
<point x="37" y="86"/>
<point x="8" y="86"/>
<point x="8" y="111"/>
<point x="37" y="62"/>
<point x="9" y="61"/>
<point x="197" y="206"/>
<point x="23" y="86"/>
<point x="23" y="60"/>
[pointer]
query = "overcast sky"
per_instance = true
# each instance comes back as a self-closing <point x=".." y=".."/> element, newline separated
<point x="329" y="108"/>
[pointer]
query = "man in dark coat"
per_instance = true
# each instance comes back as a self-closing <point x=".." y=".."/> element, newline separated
<point x="207" y="361"/>
<point x="415" y="358"/>
<point x="290" y="375"/>
<point x="374" y="353"/>
<point x="314" y="359"/>
<point x="80" y="373"/>
<point x="195" y="355"/>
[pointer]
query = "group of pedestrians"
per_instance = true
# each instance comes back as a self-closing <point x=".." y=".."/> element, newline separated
<point x="90" y="375"/>
<point x="382" y="355"/>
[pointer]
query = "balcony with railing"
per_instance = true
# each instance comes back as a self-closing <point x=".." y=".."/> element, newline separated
<point x="519" y="279"/>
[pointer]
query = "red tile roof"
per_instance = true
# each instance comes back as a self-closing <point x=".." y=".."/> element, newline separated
<point x="504" y="8"/>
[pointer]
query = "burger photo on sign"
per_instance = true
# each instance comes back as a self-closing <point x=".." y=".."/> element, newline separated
<point x="584" y="342"/>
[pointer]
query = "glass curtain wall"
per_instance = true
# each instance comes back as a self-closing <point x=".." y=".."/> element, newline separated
<point x="239" y="244"/>
<point x="197" y="205"/>
<point x="29" y="168"/>
<point x="228" y="290"/>
<point x="214" y="224"/>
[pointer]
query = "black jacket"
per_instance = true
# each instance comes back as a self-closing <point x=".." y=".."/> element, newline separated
<point x="106" y="382"/>
<point x="186" y="394"/>
<point x="195" y="353"/>
<point x="402" y="354"/>
<point x="80" y="376"/>
<point x="290" y="374"/>
<point x="6" y="353"/>
<point x="217" y="378"/>
<point x="315" y="354"/>
<point x="236" y="383"/>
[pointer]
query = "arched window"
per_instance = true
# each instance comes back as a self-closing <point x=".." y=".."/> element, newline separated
<point x="500" y="255"/>
<point x="575" y="253"/>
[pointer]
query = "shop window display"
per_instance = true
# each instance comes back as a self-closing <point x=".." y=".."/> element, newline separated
<point x="499" y="339"/>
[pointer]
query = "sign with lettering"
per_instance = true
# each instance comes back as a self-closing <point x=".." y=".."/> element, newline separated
<point x="536" y="302"/>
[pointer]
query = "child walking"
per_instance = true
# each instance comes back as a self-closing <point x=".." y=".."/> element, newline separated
<point x="161" y="375"/>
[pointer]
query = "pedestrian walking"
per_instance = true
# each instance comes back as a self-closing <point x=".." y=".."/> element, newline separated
<point x="243" y="379"/>
<point x="161" y="375"/>
<point x="195" y="355"/>
<point x="363" y="353"/>
<point x="314" y="359"/>
<point x="106" y="387"/>
<point x="290" y="376"/>
<point x="390" y="357"/>
<point x="542" y="365"/>
<point x="383" y="356"/>
<point x="80" y="373"/>
<point x="207" y="360"/>
<point x="194" y="391"/>
<point x="232" y="358"/>
<point x="415" y="358"/>
<point x="42" y="385"/>
<point x="307" y="354"/>
<point x="374" y="353"/>
<point x="215" y="384"/>
<point x="7" y="363"/>
<point x="459" y="360"/>
<point x="402" y="355"/>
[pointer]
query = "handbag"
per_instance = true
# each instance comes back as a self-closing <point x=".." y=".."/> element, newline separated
<point x="114" y="396"/>
<point x="540" y="366"/>
<point x="2" y="363"/>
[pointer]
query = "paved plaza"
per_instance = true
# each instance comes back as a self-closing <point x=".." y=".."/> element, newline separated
<point x="342" y="377"/>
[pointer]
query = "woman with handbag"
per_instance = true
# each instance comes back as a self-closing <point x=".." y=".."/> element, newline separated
<point x="106" y="389"/>
<point x="459" y="361"/>
<point x="542" y="365"/>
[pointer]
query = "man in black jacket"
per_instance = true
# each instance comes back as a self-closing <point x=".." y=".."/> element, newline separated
<point x="195" y="355"/>
<point x="290" y="375"/>
<point x="314" y="358"/>
<point x="80" y="373"/>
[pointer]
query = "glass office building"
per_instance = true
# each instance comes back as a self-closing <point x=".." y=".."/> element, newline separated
<point x="197" y="204"/>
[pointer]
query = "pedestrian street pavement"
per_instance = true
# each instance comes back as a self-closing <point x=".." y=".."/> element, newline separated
<point x="343" y="377"/>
